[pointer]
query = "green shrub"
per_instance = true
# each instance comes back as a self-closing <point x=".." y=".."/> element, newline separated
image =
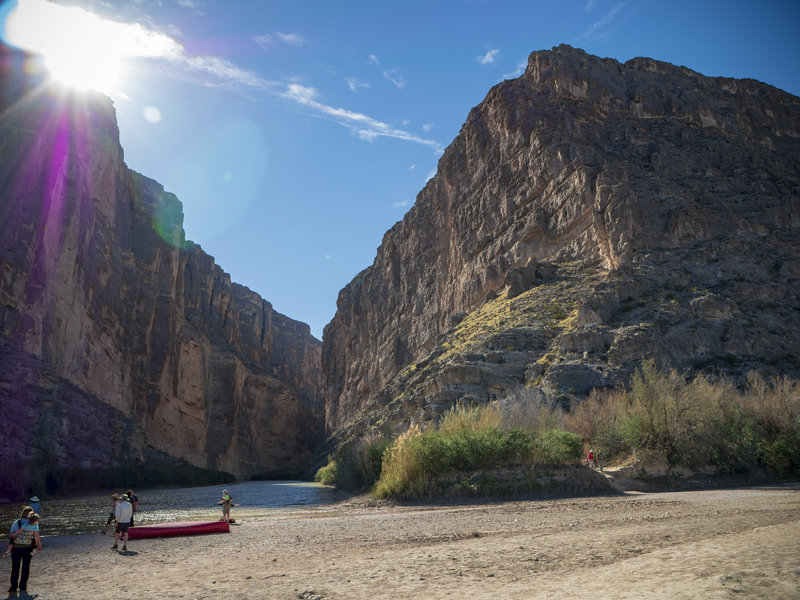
<point x="555" y="447"/>
<point x="697" y="422"/>
<point x="327" y="474"/>
<point x="467" y="440"/>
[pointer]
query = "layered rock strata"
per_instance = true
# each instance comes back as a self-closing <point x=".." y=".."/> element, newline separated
<point x="117" y="336"/>
<point x="589" y="214"/>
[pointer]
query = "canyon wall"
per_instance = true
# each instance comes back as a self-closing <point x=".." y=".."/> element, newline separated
<point x="119" y="339"/>
<point x="588" y="215"/>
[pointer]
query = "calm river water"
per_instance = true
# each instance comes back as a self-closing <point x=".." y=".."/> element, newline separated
<point x="88" y="514"/>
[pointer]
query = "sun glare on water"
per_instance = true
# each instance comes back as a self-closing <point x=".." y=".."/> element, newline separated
<point x="79" y="48"/>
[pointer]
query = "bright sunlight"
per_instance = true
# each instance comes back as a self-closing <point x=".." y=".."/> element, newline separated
<point x="81" y="49"/>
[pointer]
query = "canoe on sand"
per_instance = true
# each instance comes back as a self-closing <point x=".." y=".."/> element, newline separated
<point x="177" y="528"/>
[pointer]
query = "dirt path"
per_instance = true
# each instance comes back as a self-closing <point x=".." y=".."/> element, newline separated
<point x="742" y="543"/>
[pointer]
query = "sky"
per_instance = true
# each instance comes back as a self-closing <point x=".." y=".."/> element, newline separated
<point x="296" y="133"/>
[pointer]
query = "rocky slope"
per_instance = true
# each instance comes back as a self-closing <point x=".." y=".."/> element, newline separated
<point x="119" y="339"/>
<point x="589" y="214"/>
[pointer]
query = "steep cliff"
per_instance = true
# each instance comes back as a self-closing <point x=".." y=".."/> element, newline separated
<point x="119" y="339"/>
<point x="589" y="214"/>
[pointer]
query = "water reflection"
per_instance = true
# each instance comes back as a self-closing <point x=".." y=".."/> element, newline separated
<point x="88" y="514"/>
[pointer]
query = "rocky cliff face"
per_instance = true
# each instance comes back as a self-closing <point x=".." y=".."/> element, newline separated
<point x="589" y="214"/>
<point x="119" y="338"/>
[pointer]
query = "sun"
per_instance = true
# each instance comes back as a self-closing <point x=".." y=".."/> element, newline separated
<point x="79" y="49"/>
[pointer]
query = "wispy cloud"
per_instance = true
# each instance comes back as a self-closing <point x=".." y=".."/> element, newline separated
<point x="603" y="23"/>
<point x="589" y="5"/>
<point x="521" y="66"/>
<point x="394" y="76"/>
<point x="489" y="57"/>
<point x="274" y="39"/>
<point x="355" y="85"/>
<point x="373" y="60"/>
<point x="43" y="23"/>
<point x="363" y="126"/>
<point x="402" y="204"/>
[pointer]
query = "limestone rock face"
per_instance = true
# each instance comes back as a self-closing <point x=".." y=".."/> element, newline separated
<point x="597" y="212"/>
<point x="119" y="338"/>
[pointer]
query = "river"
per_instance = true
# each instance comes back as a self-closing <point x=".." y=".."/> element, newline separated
<point x="87" y="514"/>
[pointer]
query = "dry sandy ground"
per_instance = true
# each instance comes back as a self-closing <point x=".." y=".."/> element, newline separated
<point x="741" y="543"/>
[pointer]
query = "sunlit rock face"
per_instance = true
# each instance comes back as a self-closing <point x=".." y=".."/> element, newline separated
<point x="657" y="207"/>
<point x="118" y="338"/>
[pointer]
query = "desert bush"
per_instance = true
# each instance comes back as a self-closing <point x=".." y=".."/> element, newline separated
<point x="356" y="465"/>
<point x="696" y="422"/>
<point x="467" y="440"/>
<point x="556" y="447"/>
<point x="327" y="474"/>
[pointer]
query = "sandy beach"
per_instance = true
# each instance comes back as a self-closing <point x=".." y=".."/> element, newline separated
<point x="736" y="543"/>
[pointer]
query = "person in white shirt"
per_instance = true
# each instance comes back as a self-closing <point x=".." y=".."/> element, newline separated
<point x="123" y="515"/>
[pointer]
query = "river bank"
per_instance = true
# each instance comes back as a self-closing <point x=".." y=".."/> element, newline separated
<point x="710" y="544"/>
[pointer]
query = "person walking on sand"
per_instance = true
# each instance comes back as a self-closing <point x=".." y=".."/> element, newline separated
<point x="16" y="526"/>
<point x="123" y="516"/>
<point x="226" y="506"/>
<point x="26" y="543"/>
<point x="590" y="458"/>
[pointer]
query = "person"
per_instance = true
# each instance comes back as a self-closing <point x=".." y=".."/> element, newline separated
<point x="598" y="457"/>
<point x="26" y="543"/>
<point x="35" y="505"/>
<point x="590" y="458"/>
<point x="226" y="505"/>
<point x="112" y="515"/>
<point x="16" y="526"/>
<point x="134" y="500"/>
<point x="123" y="516"/>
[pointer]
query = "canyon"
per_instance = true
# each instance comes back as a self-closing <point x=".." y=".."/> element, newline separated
<point x="589" y="215"/>
<point x="120" y="340"/>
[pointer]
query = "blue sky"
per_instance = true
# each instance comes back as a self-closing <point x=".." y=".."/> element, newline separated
<point x="297" y="133"/>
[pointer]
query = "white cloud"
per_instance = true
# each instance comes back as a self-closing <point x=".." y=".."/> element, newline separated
<point x="355" y="85"/>
<point x="521" y="66"/>
<point x="401" y="204"/>
<point x="41" y="29"/>
<point x="489" y="57"/>
<point x="412" y="167"/>
<point x="193" y="5"/>
<point x="589" y="5"/>
<point x="604" y="22"/>
<point x="373" y="60"/>
<point x="274" y="39"/>
<point x="291" y="39"/>
<point x="394" y="76"/>
<point x="363" y="126"/>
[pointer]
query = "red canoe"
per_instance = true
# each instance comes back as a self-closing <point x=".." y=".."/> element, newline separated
<point x="178" y="528"/>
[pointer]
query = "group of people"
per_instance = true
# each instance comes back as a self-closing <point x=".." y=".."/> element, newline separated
<point x="595" y="459"/>
<point x="123" y="508"/>
<point x="24" y="543"/>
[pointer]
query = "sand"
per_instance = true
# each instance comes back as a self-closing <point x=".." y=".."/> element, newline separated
<point x="738" y="543"/>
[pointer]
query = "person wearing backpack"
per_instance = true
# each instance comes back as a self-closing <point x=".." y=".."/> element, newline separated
<point x="16" y="526"/>
<point x="26" y="542"/>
